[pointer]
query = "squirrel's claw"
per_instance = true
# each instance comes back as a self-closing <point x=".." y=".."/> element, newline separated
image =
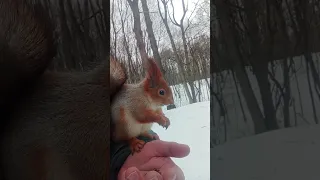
<point x="167" y="123"/>
<point x="164" y="122"/>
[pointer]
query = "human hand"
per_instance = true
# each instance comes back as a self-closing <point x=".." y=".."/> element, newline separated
<point x="154" y="162"/>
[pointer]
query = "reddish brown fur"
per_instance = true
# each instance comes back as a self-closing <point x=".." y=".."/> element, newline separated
<point x="142" y="101"/>
<point x="154" y="82"/>
<point x="151" y="116"/>
<point x="154" y="92"/>
<point x="153" y="70"/>
<point x="136" y="144"/>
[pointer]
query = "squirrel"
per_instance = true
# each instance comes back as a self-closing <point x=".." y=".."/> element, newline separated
<point x="136" y="107"/>
<point x="54" y="125"/>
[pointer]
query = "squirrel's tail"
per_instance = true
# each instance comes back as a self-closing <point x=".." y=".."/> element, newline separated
<point x="26" y="46"/>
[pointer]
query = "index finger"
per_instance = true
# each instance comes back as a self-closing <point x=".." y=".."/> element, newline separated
<point x="169" y="149"/>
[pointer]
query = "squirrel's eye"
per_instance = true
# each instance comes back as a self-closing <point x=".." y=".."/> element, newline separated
<point x="161" y="92"/>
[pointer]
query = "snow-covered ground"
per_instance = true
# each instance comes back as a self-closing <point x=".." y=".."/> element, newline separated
<point x="300" y="107"/>
<point x="291" y="153"/>
<point x="190" y="125"/>
<point x="180" y="95"/>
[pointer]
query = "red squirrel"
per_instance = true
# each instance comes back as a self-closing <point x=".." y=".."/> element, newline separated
<point x="57" y="125"/>
<point x="136" y="107"/>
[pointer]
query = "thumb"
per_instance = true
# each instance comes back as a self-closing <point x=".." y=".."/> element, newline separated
<point x="170" y="149"/>
<point x="131" y="173"/>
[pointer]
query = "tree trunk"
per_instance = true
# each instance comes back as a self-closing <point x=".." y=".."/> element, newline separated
<point x="286" y="69"/>
<point x="134" y="5"/>
<point x="177" y="57"/>
<point x="234" y="54"/>
<point x="259" y="60"/>
<point x="287" y="94"/>
<point x="151" y="36"/>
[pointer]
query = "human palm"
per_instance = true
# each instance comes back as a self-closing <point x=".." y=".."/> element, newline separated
<point x="154" y="162"/>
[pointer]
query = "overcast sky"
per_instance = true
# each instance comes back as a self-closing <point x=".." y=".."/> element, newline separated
<point x="178" y="7"/>
<point x="161" y="35"/>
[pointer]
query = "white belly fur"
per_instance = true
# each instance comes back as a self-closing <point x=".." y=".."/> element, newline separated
<point x="128" y="99"/>
<point x="131" y="127"/>
<point x="136" y="128"/>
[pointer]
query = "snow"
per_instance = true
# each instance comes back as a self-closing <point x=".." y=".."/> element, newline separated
<point x="301" y="112"/>
<point x="180" y="95"/>
<point x="291" y="153"/>
<point x="190" y="125"/>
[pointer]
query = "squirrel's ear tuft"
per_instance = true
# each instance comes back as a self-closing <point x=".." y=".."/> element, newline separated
<point x="153" y="72"/>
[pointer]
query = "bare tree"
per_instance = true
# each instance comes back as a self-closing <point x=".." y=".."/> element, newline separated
<point x="234" y="53"/>
<point x="164" y="18"/>
<point x="134" y="5"/>
<point x="185" y="46"/>
<point x="151" y="36"/>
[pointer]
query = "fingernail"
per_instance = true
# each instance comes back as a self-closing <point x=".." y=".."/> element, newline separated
<point x="173" y="177"/>
<point x="133" y="176"/>
<point x="154" y="178"/>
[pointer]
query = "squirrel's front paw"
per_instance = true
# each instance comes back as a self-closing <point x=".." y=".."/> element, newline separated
<point x="165" y="122"/>
<point x="136" y="145"/>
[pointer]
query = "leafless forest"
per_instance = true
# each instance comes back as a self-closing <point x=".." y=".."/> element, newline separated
<point x="265" y="66"/>
<point x="179" y="42"/>
<point x="177" y="36"/>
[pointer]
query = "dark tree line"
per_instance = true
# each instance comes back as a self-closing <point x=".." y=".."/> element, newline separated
<point x="84" y="28"/>
<point x="255" y="46"/>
